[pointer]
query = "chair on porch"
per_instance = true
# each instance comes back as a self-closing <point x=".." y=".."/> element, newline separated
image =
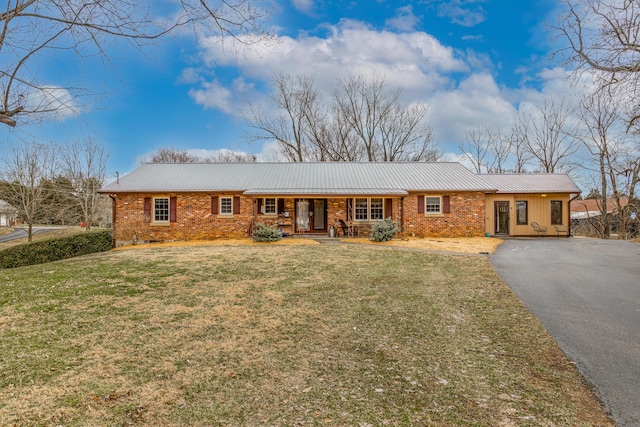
<point x="560" y="229"/>
<point x="539" y="228"/>
<point x="348" y="230"/>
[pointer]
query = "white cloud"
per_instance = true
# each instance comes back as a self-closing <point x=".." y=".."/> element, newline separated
<point x="417" y="61"/>
<point x="477" y="101"/>
<point x="458" y="86"/>
<point x="214" y="95"/>
<point x="56" y="101"/>
<point x="461" y="13"/>
<point x="303" y="6"/>
<point x="404" y="20"/>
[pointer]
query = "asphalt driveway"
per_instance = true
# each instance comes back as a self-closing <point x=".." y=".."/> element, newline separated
<point x="586" y="292"/>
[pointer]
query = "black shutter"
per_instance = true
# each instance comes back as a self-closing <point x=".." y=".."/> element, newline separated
<point x="258" y="205"/>
<point x="388" y="208"/>
<point x="420" y="204"/>
<point x="172" y="208"/>
<point x="236" y="205"/>
<point x="446" y="204"/>
<point x="280" y="206"/>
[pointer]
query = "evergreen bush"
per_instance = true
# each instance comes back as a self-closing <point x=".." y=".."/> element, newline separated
<point x="56" y="249"/>
<point x="266" y="233"/>
<point x="384" y="231"/>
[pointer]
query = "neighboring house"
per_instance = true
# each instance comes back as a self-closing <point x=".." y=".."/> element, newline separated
<point x="586" y="214"/>
<point x="8" y="214"/>
<point x="196" y="201"/>
<point x="523" y="199"/>
<point x="582" y="209"/>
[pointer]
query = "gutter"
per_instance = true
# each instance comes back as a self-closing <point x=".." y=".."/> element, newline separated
<point x="113" y="219"/>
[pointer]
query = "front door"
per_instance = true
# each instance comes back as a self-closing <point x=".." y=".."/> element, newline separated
<point x="320" y="214"/>
<point x="502" y="217"/>
<point x="311" y="215"/>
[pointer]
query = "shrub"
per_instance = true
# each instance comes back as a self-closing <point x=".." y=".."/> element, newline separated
<point x="384" y="231"/>
<point x="56" y="249"/>
<point x="266" y="233"/>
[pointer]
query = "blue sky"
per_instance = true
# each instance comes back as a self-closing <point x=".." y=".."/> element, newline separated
<point x="472" y="61"/>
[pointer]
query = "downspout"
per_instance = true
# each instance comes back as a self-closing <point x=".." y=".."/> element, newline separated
<point x="569" y="207"/>
<point x="402" y="214"/>
<point x="113" y="220"/>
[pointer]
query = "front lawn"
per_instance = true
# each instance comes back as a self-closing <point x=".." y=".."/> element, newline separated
<point x="261" y="335"/>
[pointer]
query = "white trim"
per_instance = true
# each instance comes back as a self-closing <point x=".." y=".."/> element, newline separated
<point x="154" y="219"/>
<point x="426" y="204"/>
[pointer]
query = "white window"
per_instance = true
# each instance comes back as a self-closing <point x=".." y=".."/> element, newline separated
<point x="433" y="204"/>
<point x="161" y="209"/>
<point x="226" y="205"/>
<point x="269" y="206"/>
<point x="377" y="209"/>
<point x="369" y="209"/>
<point x="362" y="206"/>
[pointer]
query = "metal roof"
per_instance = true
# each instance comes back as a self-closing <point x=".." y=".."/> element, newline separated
<point x="322" y="178"/>
<point x="531" y="183"/>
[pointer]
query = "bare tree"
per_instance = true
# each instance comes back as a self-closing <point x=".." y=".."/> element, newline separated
<point x="26" y="167"/>
<point x="365" y="121"/>
<point x="228" y="156"/>
<point x="487" y="149"/>
<point x="599" y="117"/>
<point x="603" y="39"/>
<point x="475" y="148"/>
<point x="84" y="163"/>
<point x="172" y="155"/>
<point x="387" y="129"/>
<point x="521" y="156"/>
<point x="31" y="30"/>
<point x="295" y="99"/>
<point x="547" y="135"/>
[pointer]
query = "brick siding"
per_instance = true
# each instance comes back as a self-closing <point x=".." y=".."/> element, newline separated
<point x="466" y="217"/>
<point x="194" y="220"/>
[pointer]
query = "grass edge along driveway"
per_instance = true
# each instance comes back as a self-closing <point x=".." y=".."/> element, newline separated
<point x="278" y="335"/>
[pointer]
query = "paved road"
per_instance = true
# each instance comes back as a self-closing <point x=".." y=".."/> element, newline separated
<point x="19" y="233"/>
<point x="586" y="292"/>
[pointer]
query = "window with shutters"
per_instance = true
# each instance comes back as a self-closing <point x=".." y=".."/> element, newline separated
<point x="433" y="204"/>
<point x="161" y="209"/>
<point x="369" y="209"/>
<point x="226" y="205"/>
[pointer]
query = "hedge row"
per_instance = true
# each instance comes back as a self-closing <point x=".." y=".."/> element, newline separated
<point x="56" y="249"/>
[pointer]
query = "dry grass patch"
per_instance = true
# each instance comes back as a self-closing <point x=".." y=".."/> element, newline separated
<point x="470" y="245"/>
<point x="277" y="335"/>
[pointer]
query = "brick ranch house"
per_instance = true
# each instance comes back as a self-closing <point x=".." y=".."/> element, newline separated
<point x="200" y="201"/>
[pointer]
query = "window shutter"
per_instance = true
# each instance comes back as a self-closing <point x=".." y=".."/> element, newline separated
<point x="388" y="208"/>
<point x="420" y="204"/>
<point x="172" y="209"/>
<point x="147" y="208"/>
<point x="236" y="205"/>
<point x="446" y="204"/>
<point x="280" y="206"/>
<point x="349" y="209"/>
<point x="214" y="205"/>
<point x="258" y="205"/>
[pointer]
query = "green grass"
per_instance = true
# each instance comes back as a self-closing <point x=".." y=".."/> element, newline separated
<point x="277" y="335"/>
